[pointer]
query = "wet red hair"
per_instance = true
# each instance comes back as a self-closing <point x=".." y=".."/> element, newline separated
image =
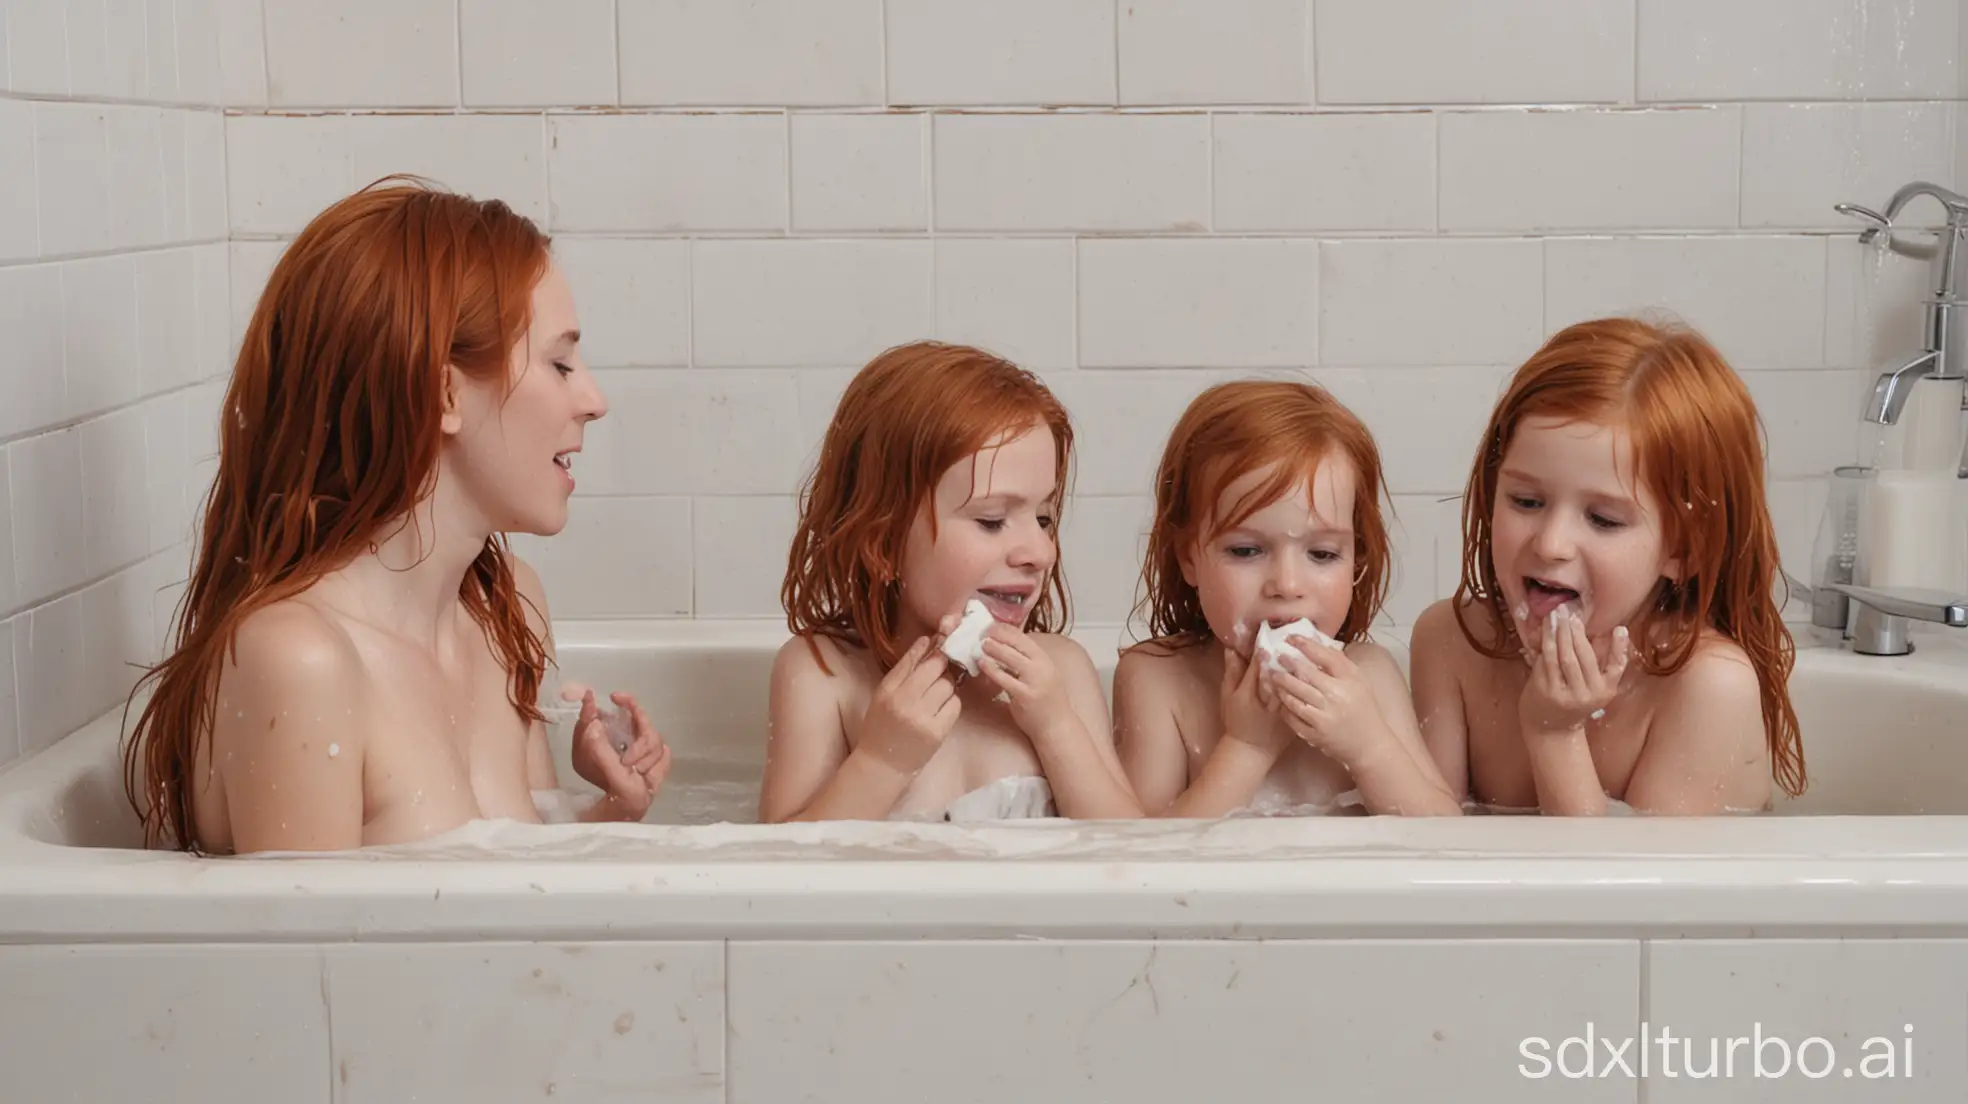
<point x="1228" y="432"/>
<point x="906" y="418"/>
<point x="329" y="433"/>
<point x="1697" y="442"/>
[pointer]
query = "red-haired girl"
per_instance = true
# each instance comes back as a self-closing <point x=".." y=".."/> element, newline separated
<point x="1267" y="512"/>
<point x="358" y="655"/>
<point x="939" y="485"/>
<point x="1616" y="634"/>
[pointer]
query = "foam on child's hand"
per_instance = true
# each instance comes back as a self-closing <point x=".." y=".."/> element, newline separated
<point x="965" y="644"/>
<point x="1272" y="644"/>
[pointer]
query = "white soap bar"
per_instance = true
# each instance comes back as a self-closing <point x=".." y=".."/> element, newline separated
<point x="1273" y="643"/>
<point x="965" y="644"/>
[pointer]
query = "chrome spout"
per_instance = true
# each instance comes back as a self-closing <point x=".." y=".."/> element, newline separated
<point x="1890" y="391"/>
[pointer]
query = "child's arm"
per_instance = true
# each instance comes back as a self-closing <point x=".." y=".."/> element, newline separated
<point x="810" y="773"/>
<point x="1705" y="752"/>
<point x="1410" y="782"/>
<point x="1154" y="755"/>
<point x="1437" y="698"/>
<point x="1056" y="699"/>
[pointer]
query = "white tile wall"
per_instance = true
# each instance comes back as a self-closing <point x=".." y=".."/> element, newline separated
<point x="633" y="298"/>
<point x="860" y="172"/>
<point x="20" y="237"/>
<point x="1591" y="169"/>
<point x="488" y="155"/>
<point x="518" y="53"/>
<point x="1430" y="302"/>
<point x="668" y="172"/>
<point x="1013" y="296"/>
<point x="1160" y="303"/>
<point x="88" y="48"/>
<point x="1499" y="51"/>
<point x="1040" y="52"/>
<point x="1228" y="52"/>
<point x="112" y="216"/>
<point x="1798" y="49"/>
<point x="1745" y="294"/>
<point x="1801" y="159"/>
<point x="1846" y="993"/>
<point x="583" y="1022"/>
<point x="180" y="1026"/>
<point x="807" y="53"/>
<point x="8" y="588"/>
<point x="1401" y="198"/>
<point x="10" y="741"/>
<point x="31" y="390"/>
<point x="827" y="302"/>
<point x="1072" y="172"/>
<point x="1101" y="1016"/>
<point x="408" y="51"/>
<point x="1324" y="172"/>
<point x="37" y="46"/>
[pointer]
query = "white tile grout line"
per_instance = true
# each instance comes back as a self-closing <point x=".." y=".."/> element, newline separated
<point x="616" y="43"/>
<point x="786" y="138"/>
<point x="458" y="48"/>
<point x="266" y="60"/>
<point x="1115" y="10"/>
<point x="884" y="53"/>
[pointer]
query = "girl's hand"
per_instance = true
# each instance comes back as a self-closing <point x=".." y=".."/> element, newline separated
<point x="1249" y="715"/>
<point x="1020" y="667"/>
<point x="628" y="762"/>
<point x="913" y="708"/>
<point x="1568" y="685"/>
<point x="1327" y="702"/>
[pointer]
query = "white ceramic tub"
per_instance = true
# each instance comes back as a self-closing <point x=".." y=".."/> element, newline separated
<point x="1355" y="958"/>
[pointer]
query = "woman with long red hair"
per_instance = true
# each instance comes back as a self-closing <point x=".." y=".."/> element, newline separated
<point x="1268" y="514"/>
<point x="1616" y="634"/>
<point x="358" y="655"/>
<point x="938" y="491"/>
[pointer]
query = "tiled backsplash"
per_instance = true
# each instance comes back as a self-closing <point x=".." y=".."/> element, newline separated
<point x="1136" y="198"/>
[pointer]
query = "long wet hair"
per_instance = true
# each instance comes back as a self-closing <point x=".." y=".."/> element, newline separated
<point x="1228" y="432"/>
<point x="329" y="435"/>
<point x="1697" y="444"/>
<point x="906" y="418"/>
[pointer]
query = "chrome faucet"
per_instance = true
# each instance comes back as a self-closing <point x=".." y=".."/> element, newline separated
<point x="1945" y="323"/>
<point x="1879" y="624"/>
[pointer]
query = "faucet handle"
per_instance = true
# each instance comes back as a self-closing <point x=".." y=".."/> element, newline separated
<point x="1945" y="241"/>
<point x="1866" y="214"/>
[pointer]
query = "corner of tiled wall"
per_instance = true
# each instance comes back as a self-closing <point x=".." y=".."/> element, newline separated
<point x="1398" y="197"/>
<point x="113" y="300"/>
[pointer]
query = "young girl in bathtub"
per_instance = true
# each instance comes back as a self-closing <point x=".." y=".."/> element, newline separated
<point x="1616" y="634"/>
<point x="1267" y="511"/>
<point x="937" y="492"/>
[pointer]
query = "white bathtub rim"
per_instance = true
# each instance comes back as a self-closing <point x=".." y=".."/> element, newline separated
<point x="1327" y="877"/>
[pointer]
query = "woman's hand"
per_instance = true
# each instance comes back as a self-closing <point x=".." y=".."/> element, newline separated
<point x="627" y="762"/>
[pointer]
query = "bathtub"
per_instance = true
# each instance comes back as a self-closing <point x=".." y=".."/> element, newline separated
<point x="1489" y="958"/>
